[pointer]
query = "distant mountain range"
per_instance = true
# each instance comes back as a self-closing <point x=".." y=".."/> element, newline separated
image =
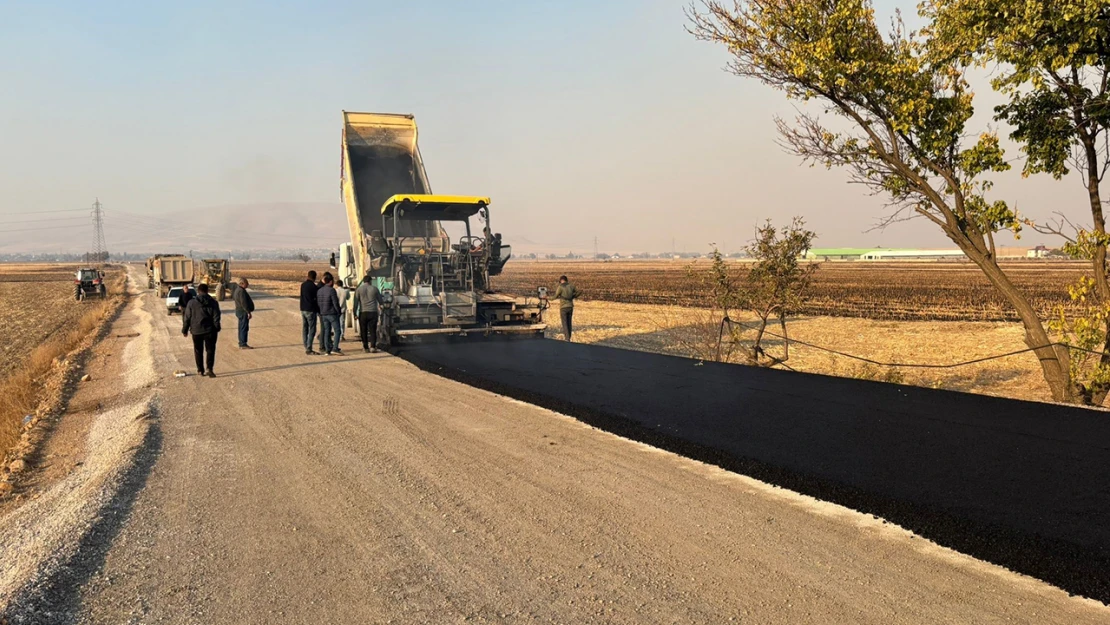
<point x="293" y="225"/>
<point x="239" y="227"/>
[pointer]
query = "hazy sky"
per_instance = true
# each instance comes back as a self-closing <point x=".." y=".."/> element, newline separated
<point x="580" y="119"/>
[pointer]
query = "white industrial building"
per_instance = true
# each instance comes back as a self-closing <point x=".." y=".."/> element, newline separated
<point x="914" y="255"/>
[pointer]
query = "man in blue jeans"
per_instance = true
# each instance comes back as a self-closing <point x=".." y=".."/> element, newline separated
<point x="244" y="310"/>
<point x="328" y="302"/>
<point x="309" y="312"/>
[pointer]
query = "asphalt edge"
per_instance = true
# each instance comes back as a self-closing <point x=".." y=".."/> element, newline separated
<point x="1064" y="565"/>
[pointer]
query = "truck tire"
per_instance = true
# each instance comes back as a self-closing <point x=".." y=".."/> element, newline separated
<point x="77" y="293"/>
<point x="103" y="292"/>
<point x="221" y="295"/>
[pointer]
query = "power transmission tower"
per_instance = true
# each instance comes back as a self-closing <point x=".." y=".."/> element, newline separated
<point x="98" y="232"/>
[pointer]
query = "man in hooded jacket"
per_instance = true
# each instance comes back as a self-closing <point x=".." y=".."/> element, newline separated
<point x="202" y="319"/>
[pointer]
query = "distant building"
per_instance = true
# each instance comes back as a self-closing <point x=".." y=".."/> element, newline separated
<point x="838" y="253"/>
<point x="1038" y="252"/>
<point x="914" y="255"/>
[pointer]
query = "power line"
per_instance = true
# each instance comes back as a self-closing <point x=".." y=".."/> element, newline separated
<point x="81" y="225"/>
<point x="51" y="220"/>
<point x="61" y="210"/>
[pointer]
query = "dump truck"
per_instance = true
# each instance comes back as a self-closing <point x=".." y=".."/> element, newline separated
<point x="216" y="273"/>
<point x="432" y="287"/>
<point x="171" y="271"/>
<point x="150" y="269"/>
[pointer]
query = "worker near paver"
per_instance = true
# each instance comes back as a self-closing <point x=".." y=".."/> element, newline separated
<point x="328" y="302"/>
<point x="367" y="298"/>
<point x="244" y="310"/>
<point x="566" y="293"/>
<point x="202" y="319"/>
<point x="310" y="310"/>
<point x="342" y="293"/>
<point x="319" y="284"/>
<point x="186" y="296"/>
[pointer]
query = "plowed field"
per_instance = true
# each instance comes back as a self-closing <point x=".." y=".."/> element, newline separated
<point x="923" y="291"/>
<point x="35" y="302"/>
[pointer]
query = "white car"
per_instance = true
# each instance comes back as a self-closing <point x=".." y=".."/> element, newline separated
<point x="172" y="297"/>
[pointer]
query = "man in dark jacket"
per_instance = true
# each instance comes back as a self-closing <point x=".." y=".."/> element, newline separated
<point x="310" y="310"/>
<point x="183" y="300"/>
<point x="202" y="318"/>
<point x="328" y="302"/>
<point x="244" y="309"/>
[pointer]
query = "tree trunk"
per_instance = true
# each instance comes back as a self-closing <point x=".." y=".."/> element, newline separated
<point x="757" y="347"/>
<point x="1055" y="360"/>
<point x="1095" y="394"/>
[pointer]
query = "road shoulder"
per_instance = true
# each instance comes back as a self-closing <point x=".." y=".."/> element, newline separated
<point x="90" y="468"/>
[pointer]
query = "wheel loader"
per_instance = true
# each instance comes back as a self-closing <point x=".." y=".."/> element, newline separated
<point x="216" y="273"/>
<point x="432" y="287"/>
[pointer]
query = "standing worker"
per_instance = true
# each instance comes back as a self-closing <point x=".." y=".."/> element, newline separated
<point x="244" y="309"/>
<point x="328" y="302"/>
<point x="310" y="310"/>
<point x="183" y="300"/>
<point x="566" y="293"/>
<point x="367" y="298"/>
<point x="202" y="318"/>
<point x="342" y="293"/>
<point x="319" y="285"/>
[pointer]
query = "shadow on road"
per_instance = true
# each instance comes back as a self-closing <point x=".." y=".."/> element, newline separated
<point x="319" y="361"/>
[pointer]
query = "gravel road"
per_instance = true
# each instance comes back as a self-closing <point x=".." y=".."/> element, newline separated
<point x="359" y="489"/>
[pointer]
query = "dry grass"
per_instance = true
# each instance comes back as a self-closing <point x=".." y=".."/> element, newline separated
<point x="282" y="278"/>
<point x="689" y="332"/>
<point x="48" y="327"/>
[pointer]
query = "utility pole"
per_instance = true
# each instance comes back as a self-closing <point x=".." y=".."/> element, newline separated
<point x="99" y="247"/>
<point x="596" y="254"/>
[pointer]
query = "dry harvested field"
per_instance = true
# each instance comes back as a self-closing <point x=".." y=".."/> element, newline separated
<point x="925" y="291"/>
<point x="42" y="324"/>
<point x="36" y="301"/>
<point x="277" y="277"/>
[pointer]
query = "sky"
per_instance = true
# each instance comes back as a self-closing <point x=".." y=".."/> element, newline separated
<point x="580" y="119"/>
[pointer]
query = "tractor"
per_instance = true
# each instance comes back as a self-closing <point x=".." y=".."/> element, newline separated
<point x="89" y="283"/>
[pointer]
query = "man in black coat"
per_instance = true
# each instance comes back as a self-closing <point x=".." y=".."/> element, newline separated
<point x="310" y="310"/>
<point x="183" y="300"/>
<point x="244" y="310"/>
<point x="202" y="319"/>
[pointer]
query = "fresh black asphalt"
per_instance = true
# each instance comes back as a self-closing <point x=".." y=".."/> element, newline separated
<point x="1021" y="484"/>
